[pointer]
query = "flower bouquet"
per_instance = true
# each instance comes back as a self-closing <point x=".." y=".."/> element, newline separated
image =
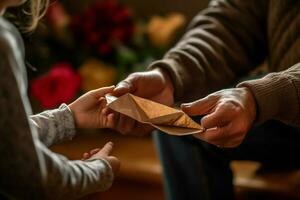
<point x="97" y="45"/>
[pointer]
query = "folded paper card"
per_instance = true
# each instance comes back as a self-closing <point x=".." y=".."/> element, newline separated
<point x="167" y="119"/>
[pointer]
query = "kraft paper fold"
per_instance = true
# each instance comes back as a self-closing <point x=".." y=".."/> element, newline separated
<point x="164" y="118"/>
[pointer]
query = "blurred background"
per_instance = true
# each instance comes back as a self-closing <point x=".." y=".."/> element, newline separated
<point x="90" y="44"/>
<point x="86" y="44"/>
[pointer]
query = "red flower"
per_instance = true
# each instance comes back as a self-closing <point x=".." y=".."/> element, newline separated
<point x="58" y="86"/>
<point x="56" y="15"/>
<point x="103" y="24"/>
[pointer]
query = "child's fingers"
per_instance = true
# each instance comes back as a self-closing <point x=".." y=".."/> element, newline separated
<point x="107" y="149"/>
<point x="85" y="156"/>
<point x="102" y="102"/>
<point x="93" y="151"/>
<point x="102" y="91"/>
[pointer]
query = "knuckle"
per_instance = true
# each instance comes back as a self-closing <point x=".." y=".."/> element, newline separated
<point x="218" y="93"/>
<point x="225" y="104"/>
<point x="230" y="103"/>
<point x="238" y="109"/>
<point x="213" y="96"/>
<point x="135" y="76"/>
<point x="126" y="82"/>
<point x="204" y="121"/>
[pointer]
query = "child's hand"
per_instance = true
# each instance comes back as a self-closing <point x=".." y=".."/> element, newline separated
<point x="88" y="155"/>
<point x="89" y="109"/>
<point x="104" y="153"/>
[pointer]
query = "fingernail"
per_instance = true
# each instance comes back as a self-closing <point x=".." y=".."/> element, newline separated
<point x="185" y="105"/>
<point x="117" y="88"/>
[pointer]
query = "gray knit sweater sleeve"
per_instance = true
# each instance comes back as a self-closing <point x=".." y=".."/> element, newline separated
<point x="28" y="169"/>
<point x="54" y="126"/>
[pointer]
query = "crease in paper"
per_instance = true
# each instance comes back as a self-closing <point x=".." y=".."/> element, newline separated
<point x="162" y="117"/>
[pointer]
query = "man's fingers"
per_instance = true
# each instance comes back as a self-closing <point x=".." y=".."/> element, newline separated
<point x="220" y="117"/>
<point x="141" y="129"/>
<point x="107" y="149"/>
<point x="215" y="135"/>
<point x="224" y="137"/>
<point x="199" y="107"/>
<point x="128" y="126"/>
<point x="125" y="124"/>
<point x="100" y="92"/>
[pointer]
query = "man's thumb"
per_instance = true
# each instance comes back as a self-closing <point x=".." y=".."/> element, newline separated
<point x="124" y="87"/>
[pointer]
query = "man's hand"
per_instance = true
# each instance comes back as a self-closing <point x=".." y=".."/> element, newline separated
<point x="155" y="85"/>
<point x="89" y="109"/>
<point x="229" y="114"/>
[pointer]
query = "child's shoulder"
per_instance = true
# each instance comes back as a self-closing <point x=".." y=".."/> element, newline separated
<point x="10" y="38"/>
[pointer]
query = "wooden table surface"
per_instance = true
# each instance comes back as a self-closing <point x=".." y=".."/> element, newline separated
<point x="137" y="154"/>
<point x="140" y="174"/>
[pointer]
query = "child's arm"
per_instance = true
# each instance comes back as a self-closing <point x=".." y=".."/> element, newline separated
<point x="59" y="124"/>
<point x="55" y="125"/>
<point x="29" y="170"/>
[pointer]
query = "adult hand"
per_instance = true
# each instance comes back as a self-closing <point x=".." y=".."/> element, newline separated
<point x="104" y="153"/>
<point x="155" y="85"/>
<point x="229" y="114"/>
<point x="88" y="110"/>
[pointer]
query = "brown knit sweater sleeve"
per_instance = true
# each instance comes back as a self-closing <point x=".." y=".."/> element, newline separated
<point x="277" y="96"/>
<point x="224" y="41"/>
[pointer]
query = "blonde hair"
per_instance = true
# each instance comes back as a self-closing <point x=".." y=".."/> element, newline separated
<point x="35" y="11"/>
<point x="27" y="16"/>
